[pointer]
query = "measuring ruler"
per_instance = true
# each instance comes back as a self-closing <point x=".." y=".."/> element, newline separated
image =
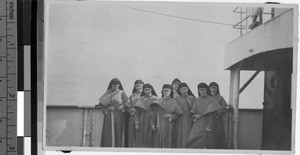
<point x="8" y="77"/>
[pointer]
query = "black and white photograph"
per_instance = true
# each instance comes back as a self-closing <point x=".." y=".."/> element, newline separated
<point x="167" y="76"/>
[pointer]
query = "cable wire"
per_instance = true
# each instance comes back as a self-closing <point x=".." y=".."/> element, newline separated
<point x="173" y="16"/>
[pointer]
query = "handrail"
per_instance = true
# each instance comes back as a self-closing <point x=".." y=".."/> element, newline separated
<point x="240" y="25"/>
<point x="73" y="106"/>
<point x="241" y="16"/>
<point x="243" y="23"/>
<point x="234" y="26"/>
<point x="238" y="11"/>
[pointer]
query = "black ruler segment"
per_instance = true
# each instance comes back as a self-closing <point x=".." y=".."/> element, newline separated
<point x="20" y="145"/>
<point x="20" y="46"/>
<point x="33" y="43"/>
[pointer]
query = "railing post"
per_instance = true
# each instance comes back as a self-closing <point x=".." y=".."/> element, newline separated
<point x="246" y="27"/>
<point x="241" y="18"/>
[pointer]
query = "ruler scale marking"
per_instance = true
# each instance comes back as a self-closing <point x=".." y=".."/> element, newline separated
<point x="8" y="77"/>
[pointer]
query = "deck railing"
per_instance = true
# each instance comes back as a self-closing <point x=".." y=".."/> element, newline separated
<point x="74" y="126"/>
<point x="245" y="13"/>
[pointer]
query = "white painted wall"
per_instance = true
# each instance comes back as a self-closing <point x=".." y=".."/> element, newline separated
<point x="274" y="34"/>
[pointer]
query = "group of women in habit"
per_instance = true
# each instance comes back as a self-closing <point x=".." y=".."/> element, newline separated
<point x="177" y="119"/>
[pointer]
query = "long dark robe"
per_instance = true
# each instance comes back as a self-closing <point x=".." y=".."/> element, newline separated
<point x="218" y="135"/>
<point x="131" y="125"/>
<point x="165" y="128"/>
<point x="143" y="117"/>
<point x="113" y="98"/>
<point x="206" y="107"/>
<point x="184" y="123"/>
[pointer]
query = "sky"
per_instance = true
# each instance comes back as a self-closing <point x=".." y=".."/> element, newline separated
<point x="89" y="43"/>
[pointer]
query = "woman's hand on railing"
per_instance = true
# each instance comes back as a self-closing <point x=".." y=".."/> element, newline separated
<point x="167" y="116"/>
<point x="111" y="108"/>
<point x="122" y="107"/>
<point x="97" y="106"/>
